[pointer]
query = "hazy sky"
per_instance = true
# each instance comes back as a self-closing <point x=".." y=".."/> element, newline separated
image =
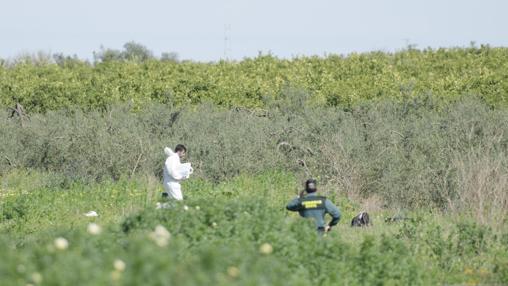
<point x="197" y="29"/>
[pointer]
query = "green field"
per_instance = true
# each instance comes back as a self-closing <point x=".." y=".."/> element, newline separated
<point x="219" y="236"/>
<point x="418" y="134"/>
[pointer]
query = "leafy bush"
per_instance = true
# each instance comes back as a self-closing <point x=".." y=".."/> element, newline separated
<point x="411" y="154"/>
<point x="217" y="236"/>
<point x="134" y="76"/>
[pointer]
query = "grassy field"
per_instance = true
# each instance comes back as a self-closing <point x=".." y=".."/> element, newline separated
<point x="232" y="233"/>
<point x="420" y="134"/>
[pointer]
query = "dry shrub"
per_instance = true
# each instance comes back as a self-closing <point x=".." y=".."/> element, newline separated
<point x="483" y="187"/>
<point x="402" y="155"/>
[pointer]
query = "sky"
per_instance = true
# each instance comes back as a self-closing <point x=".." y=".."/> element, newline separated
<point x="210" y="30"/>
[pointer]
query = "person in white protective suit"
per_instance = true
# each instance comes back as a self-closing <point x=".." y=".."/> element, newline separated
<point x="174" y="172"/>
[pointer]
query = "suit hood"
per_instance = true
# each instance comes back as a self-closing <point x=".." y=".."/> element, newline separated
<point x="168" y="151"/>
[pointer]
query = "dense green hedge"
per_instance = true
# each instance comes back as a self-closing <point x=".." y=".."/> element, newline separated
<point x="333" y="80"/>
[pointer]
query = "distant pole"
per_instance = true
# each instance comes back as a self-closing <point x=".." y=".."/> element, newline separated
<point x="227" y="41"/>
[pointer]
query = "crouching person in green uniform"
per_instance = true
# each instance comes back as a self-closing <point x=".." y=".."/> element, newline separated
<point x="311" y="205"/>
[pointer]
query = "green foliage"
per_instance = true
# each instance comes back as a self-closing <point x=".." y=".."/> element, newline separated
<point x="410" y="154"/>
<point x="216" y="237"/>
<point x="133" y="75"/>
<point x="417" y="129"/>
<point x="133" y="52"/>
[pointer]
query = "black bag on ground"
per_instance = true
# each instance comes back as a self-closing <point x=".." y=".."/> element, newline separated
<point x="362" y="219"/>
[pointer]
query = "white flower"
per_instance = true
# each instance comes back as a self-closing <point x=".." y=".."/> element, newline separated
<point x="161" y="236"/>
<point x="61" y="243"/>
<point x="119" y="265"/>
<point x="185" y="208"/>
<point x="233" y="271"/>
<point x="161" y="231"/>
<point x="36" y="278"/>
<point x="198" y="208"/>
<point x="214" y="224"/>
<point x="93" y="229"/>
<point x="266" y="248"/>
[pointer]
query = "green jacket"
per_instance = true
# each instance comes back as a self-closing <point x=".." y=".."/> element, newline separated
<point x="314" y="206"/>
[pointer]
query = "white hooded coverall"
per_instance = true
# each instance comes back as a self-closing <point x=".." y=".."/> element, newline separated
<point x="173" y="173"/>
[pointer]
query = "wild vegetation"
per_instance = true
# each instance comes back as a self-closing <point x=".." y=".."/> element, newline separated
<point x="407" y="155"/>
<point x="419" y="135"/>
<point x="232" y="233"/>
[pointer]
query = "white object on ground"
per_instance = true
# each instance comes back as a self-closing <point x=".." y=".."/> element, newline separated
<point x="91" y="214"/>
<point x="162" y="206"/>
